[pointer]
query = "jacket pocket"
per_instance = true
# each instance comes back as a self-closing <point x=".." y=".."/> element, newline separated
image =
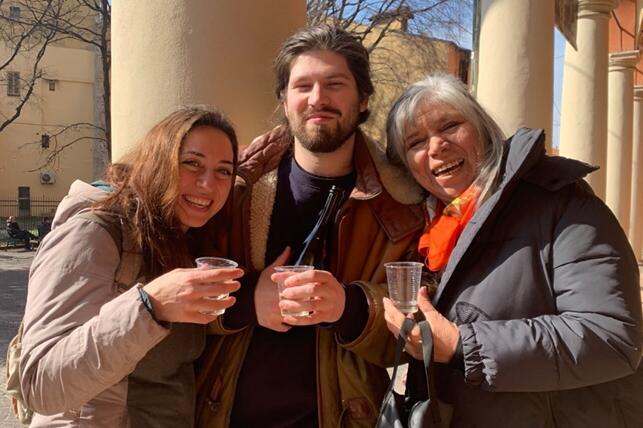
<point x="209" y="407"/>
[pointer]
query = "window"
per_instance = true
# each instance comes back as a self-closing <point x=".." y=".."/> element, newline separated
<point x="44" y="141"/>
<point x="52" y="85"/>
<point x="14" y="12"/>
<point x="24" y="201"/>
<point x="13" y="84"/>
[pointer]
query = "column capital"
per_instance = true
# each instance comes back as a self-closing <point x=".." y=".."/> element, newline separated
<point x="638" y="93"/>
<point x="593" y="7"/>
<point x="624" y="59"/>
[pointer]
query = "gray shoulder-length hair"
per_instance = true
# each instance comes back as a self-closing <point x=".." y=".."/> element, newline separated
<point x="445" y="88"/>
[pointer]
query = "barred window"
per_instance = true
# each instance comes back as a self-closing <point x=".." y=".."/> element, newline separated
<point x="13" y="84"/>
<point x="14" y="12"/>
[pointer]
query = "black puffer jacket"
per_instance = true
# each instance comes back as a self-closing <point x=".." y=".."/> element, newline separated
<point x="545" y="290"/>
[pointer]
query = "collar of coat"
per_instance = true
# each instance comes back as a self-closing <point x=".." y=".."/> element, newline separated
<point x="524" y="160"/>
<point x="374" y="171"/>
<point x="375" y="175"/>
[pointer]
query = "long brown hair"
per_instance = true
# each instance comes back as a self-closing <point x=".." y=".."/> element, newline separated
<point x="146" y="187"/>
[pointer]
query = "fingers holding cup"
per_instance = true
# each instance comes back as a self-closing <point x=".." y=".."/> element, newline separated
<point x="281" y="274"/>
<point x="219" y="292"/>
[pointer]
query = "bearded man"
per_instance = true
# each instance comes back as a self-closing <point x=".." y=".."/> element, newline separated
<point x="326" y="369"/>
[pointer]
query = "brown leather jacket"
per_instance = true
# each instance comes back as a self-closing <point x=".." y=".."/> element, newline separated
<point x="373" y="228"/>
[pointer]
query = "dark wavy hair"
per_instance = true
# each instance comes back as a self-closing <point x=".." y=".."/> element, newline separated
<point x="334" y="39"/>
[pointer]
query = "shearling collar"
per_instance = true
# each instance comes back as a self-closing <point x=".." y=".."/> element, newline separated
<point x="374" y="171"/>
<point x="258" y="167"/>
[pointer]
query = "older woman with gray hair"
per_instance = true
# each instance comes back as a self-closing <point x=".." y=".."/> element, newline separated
<point x="537" y="314"/>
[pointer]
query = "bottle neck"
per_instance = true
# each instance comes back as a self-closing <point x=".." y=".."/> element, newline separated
<point x="313" y="252"/>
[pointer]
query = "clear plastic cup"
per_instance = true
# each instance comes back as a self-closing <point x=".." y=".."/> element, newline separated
<point x="403" y="280"/>
<point x="215" y="263"/>
<point x="280" y="286"/>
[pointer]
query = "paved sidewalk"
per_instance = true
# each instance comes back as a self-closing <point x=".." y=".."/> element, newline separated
<point x="14" y="271"/>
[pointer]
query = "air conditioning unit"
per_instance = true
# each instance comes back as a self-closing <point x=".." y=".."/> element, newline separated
<point x="47" y="177"/>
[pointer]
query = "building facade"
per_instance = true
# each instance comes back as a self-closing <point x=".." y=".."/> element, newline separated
<point x="601" y="92"/>
<point x="60" y="115"/>
<point x="624" y="185"/>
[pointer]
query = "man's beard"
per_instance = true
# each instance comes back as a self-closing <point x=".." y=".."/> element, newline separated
<point x="325" y="138"/>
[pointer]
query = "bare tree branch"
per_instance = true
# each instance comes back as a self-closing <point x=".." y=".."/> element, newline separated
<point x="40" y="23"/>
<point x="54" y="154"/>
<point x="36" y="73"/>
<point x="405" y="40"/>
<point x="61" y="142"/>
<point x="426" y="18"/>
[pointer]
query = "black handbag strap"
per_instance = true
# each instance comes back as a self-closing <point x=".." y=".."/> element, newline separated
<point x="407" y="325"/>
<point x="427" y="354"/>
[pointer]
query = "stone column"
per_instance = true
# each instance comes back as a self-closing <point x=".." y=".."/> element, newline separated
<point x="516" y="54"/>
<point x="177" y="52"/>
<point x="583" y="121"/>
<point x="619" y="134"/>
<point x="635" y="232"/>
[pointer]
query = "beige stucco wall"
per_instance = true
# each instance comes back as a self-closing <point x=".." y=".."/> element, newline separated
<point x="209" y="52"/>
<point x="47" y="111"/>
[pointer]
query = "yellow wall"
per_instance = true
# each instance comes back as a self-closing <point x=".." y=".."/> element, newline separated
<point x="47" y="112"/>
<point x="399" y="60"/>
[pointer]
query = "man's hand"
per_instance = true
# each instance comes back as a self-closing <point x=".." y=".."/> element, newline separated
<point x="267" y="297"/>
<point x="316" y="291"/>
<point x="445" y="332"/>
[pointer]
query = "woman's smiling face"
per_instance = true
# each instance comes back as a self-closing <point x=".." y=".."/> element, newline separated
<point x="205" y="175"/>
<point x="442" y="150"/>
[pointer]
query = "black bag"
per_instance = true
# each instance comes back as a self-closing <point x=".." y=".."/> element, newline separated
<point x="410" y="412"/>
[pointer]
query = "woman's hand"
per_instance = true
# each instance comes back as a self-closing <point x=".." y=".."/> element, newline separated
<point x="445" y="332"/>
<point x="179" y="295"/>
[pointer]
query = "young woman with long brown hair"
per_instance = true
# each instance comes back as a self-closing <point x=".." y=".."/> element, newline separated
<point x="114" y="354"/>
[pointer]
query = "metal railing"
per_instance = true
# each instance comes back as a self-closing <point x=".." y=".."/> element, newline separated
<point x="29" y="213"/>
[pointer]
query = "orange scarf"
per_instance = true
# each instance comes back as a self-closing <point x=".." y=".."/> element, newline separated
<point x="444" y="229"/>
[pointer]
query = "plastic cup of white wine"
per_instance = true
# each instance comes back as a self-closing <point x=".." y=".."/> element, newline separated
<point x="280" y="286"/>
<point x="403" y="280"/>
<point x="215" y="263"/>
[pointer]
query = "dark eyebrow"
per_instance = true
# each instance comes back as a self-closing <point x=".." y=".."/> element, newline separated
<point x="342" y="76"/>
<point x="201" y="155"/>
<point x="192" y="152"/>
<point x="338" y="76"/>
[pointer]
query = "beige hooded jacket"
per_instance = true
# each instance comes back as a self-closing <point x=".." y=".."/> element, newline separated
<point x="92" y="354"/>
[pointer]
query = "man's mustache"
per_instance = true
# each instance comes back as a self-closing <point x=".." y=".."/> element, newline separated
<point x="329" y="110"/>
